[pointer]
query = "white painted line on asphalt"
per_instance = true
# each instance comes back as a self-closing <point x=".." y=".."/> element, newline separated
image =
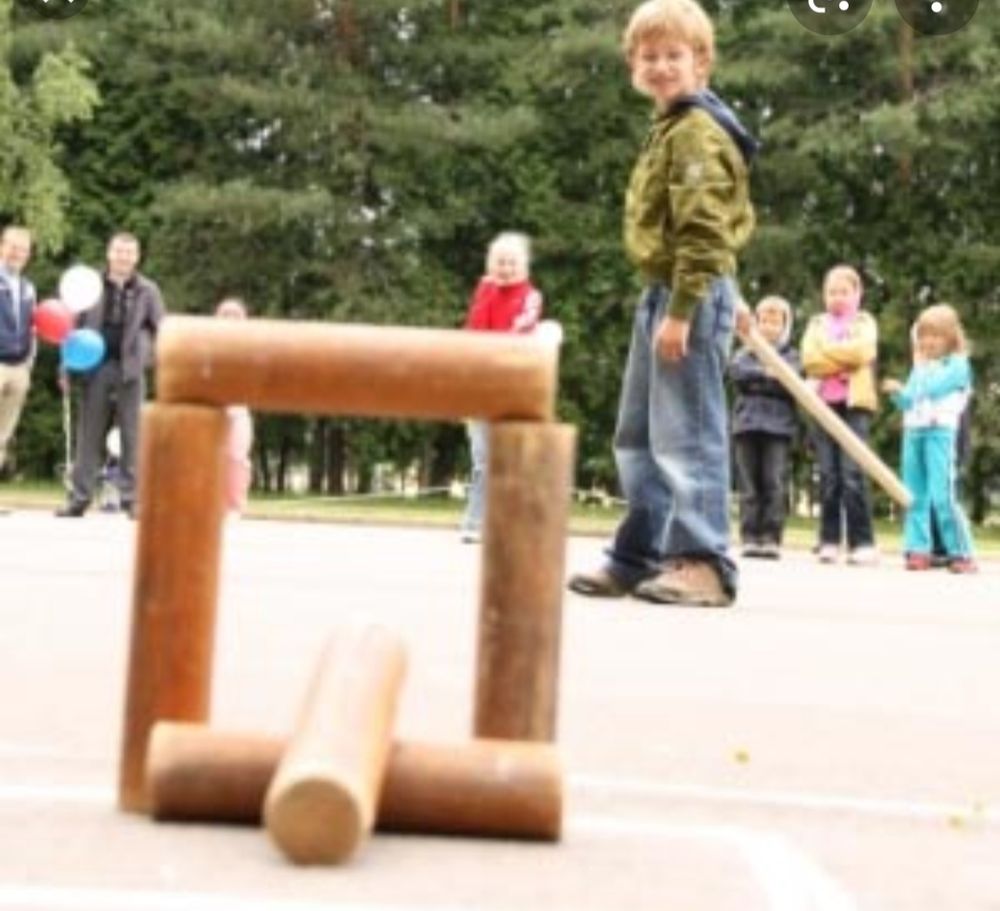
<point x="791" y="880"/>
<point x="46" y="793"/>
<point x="789" y="800"/>
<point x="788" y="878"/>
<point x="36" y="751"/>
<point x="597" y="784"/>
<point x="29" y="897"/>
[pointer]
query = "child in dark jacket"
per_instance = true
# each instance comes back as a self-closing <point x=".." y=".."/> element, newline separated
<point x="764" y="426"/>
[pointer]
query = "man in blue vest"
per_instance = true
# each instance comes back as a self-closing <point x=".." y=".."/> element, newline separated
<point x="17" y="333"/>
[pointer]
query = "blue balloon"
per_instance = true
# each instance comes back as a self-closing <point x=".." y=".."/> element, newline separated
<point x="82" y="349"/>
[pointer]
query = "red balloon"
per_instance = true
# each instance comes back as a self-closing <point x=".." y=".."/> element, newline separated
<point x="53" y="321"/>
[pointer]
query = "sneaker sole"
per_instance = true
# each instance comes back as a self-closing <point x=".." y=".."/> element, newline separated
<point x="596" y="591"/>
<point x="681" y="599"/>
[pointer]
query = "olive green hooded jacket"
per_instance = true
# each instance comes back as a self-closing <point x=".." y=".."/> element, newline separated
<point x="687" y="208"/>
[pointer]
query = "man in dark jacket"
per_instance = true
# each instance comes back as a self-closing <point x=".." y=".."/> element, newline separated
<point x="17" y="334"/>
<point x="127" y="316"/>
<point x="763" y="428"/>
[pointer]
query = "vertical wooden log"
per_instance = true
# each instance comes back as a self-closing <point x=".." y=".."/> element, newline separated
<point x="484" y="787"/>
<point x="524" y="547"/>
<point x="321" y="802"/>
<point x="175" y="586"/>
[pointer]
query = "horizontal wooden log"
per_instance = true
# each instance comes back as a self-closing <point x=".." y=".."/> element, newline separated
<point x="491" y="788"/>
<point x="373" y="371"/>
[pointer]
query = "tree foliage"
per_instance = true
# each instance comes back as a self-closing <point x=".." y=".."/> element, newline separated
<point x="351" y="161"/>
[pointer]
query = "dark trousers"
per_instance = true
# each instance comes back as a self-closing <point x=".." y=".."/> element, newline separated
<point x="845" y="502"/>
<point x="762" y="480"/>
<point x="104" y="394"/>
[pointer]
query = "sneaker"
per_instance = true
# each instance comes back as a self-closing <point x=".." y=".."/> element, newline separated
<point x="72" y="510"/>
<point x="827" y="553"/>
<point x="963" y="565"/>
<point x="769" y="550"/>
<point x="690" y="582"/>
<point x="471" y="536"/>
<point x="599" y="584"/>
<point x="751" y="549"/>
<point x="866" y="555"/>
<point x="918" y="562"/>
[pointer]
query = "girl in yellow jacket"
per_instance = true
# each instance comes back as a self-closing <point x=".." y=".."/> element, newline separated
<point x="838" y="354"/>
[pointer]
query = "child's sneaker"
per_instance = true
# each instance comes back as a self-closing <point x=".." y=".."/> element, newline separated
<point x="918" y="562"/>
<point x="769" y="550"/>
<point x="750" y="549"/>
<point x="863" y="556"/>
<point x="691" y="582"/>
<point x="471" y="536"/>
<point x="827" y="553"/>
<point x="963" y="565"/>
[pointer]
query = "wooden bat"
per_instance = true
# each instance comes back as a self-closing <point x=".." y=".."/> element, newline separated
<point x="827" y="418"/>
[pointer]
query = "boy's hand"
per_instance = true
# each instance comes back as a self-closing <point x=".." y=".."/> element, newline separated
<point x="672" y="339"/>
<point x="744" y="318"/>
<point x="891" y="386"/>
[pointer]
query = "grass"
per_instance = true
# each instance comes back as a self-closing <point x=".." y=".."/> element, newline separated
<point x="445" y="512"/>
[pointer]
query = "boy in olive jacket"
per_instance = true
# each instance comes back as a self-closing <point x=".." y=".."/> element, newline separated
<point x="687" y="215"/>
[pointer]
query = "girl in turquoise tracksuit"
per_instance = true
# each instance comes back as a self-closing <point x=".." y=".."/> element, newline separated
<point x="932" y="401"/>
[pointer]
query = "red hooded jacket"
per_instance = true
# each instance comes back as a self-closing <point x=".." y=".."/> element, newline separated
<point x="504" y="308"/>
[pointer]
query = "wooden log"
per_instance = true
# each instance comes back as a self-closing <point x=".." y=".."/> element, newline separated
<point x="489" y="788"/>
<point x="321" y="802"/>
<point x="529" y="482"/>
<point x="827" y="418"/>
<point x="374" y="371"/>
<point x="175" y="586"/>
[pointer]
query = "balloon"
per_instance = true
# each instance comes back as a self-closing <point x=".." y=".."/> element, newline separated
<point x="53" y="321"/>
<point x="549" y="332"/>
<point x="113" y="443"/>
<point x="80" y="287"/>
<point x="82" y="349"/>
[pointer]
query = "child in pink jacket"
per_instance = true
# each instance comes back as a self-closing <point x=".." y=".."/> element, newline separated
<point x="239" y="470"/>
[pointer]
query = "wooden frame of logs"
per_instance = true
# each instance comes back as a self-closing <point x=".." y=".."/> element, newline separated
<point x="204" y="365"/>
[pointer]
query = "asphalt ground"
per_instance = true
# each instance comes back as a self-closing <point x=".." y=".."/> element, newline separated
<point x="832" y="742"/>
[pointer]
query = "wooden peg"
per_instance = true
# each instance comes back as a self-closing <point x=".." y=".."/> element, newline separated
<point x="175" y="586"/>
<point x="321" y="802"/>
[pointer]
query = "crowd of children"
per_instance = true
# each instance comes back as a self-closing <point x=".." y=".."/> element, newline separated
<point x="839" y="350"/>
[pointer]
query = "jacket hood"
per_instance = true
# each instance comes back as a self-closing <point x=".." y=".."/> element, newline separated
<point x="725" y="117"/>
<point x="786" y="309"/>
<point x="785" y="339"/>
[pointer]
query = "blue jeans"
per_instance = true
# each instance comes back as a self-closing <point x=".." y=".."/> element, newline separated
<point x="479" y="451"/>
<point x="845" y="503"/>
<point x="672" y="443"/>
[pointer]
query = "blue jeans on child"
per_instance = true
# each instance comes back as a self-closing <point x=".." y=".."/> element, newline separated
<point x="672" y="443"/>
<point x="845" y="503"/>
<point x="479" y="451"/>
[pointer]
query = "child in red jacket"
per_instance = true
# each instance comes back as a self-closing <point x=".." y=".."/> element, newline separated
<point x="504" y="301"/>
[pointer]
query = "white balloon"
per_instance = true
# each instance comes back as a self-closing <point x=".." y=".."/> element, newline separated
<point x="113" y="443"/>
<point x="80" y="288"/>
<point x="549" y="332"/>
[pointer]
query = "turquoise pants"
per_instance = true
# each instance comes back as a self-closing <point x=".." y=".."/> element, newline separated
<point x="929" y="474"/>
